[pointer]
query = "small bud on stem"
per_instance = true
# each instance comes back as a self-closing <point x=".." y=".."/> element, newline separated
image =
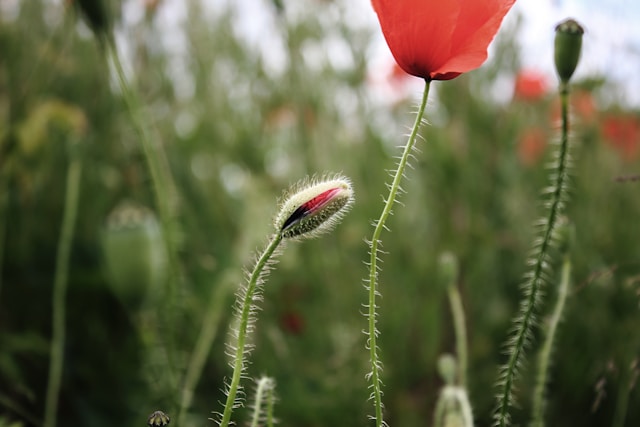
<point x="313" y="208"/>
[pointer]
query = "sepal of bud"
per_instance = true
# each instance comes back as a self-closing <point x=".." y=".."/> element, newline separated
<point x="567" y="48"/>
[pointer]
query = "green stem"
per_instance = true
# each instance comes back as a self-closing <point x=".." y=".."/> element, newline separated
<point x="374" y="254"/>
<point x="210" y="327"/>
<point x="162" y="190"/>
<point x="152" y="157"/>
<point x="526" y="320"/>
<point x="245" y="309"/>
<point x="60" y="291"/>
<point x="545" y="352"/>
<point x="4" y="207"/>
<point x="457" y="312"/>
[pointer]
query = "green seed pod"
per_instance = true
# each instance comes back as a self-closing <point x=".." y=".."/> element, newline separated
<point x="568" y="44"/>
<point x="134" y="256"/>
<point x="313" y="207"/>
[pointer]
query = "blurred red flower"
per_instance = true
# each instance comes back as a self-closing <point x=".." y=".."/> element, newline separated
<point x="622" y="132"/>
<point x="292" y="322"/>
<point x="531" y="145"/>
<point x="530" y="85"/>
<point x="439" y="40"/>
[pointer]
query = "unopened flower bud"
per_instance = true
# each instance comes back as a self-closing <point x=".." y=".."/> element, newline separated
<point x="158" y="419"/>
<point x="568" y="44"/>
<point x="314" y="207"/>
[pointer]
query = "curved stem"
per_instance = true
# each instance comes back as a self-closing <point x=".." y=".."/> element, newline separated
<point x="245" y="309"/>
<point x="526" y="320"/>
<point x="374" y="253"/>
<point x="60" y="290"/>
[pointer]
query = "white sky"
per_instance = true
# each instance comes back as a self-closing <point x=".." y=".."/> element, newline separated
<point x="611" y="45"/>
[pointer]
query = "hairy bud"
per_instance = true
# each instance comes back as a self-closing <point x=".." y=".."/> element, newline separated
<point x="313" y="207"/>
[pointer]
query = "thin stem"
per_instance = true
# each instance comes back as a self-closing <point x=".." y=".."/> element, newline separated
<point x="246" y="307"/>
<point x="152" y="157"/>
<point x="162" y="190"/>
<point x="460" y="328"/>
<point x="4" y="207"/>
<point x="60" y="290"/>
<point x="526" y="320"/>
<point x="374" y="253"/>
<point x="210" y="327"/>
<point x="545" y="352"/>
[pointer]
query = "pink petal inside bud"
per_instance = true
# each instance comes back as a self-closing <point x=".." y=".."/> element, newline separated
<point x="311" y="206"/>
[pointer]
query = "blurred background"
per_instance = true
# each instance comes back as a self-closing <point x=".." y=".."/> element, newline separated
<point x="246" y="98"/>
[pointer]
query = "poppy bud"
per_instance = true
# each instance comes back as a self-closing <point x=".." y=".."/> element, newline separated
<point x="96" y="14"/>
<point x="568" y="44"/>
<point x="158" y="419"/>
<point x="314" y="207"/>
<point x="447" y="366"/>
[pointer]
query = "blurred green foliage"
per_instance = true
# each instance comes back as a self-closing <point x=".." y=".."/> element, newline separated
<point x="236" y="131"/>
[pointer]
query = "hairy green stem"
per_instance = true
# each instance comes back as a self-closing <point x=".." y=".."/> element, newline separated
<point x="264" y="394"/>
<point x="460" y="329"/>
<point x="245" y="308"/>
<point x="526" y="320"/>
<point x="374" y="254"/>
<point x="60" y="290"/>
<point x="547" y="347"/>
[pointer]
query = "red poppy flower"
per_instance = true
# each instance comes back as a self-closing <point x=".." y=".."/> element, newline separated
<point x="439" y="40"/>
<point x="530" y="85"/>
<point x="531" y="145"/>
<point x="622" y="132"/>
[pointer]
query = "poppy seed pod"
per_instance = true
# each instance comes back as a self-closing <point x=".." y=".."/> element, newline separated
<point x="313" y="207"/>
<point x="134" y="258"/>
<point x="567" y="48"/>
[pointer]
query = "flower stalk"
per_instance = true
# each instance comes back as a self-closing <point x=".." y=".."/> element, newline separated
<point x="547" y="347"/>
<point x="541" y="264"/>
<point x="310" y="208"/>
<point x="60" y="284"/>
<point x="374" y="252"/>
